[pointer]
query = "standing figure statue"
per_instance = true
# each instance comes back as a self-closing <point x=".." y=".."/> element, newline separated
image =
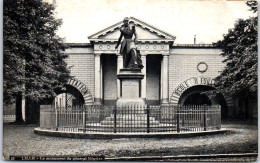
<point x="131" y="56"/>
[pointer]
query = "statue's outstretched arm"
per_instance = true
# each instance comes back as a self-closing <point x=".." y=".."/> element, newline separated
<point x="119" y="40"/>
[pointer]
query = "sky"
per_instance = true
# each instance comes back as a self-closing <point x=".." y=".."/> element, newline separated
<point x="208" y="20"/>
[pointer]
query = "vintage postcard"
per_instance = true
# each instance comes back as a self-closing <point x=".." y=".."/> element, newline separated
<point x="139" y="80"/>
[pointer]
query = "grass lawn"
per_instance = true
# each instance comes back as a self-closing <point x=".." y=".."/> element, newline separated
<point x="20" y="140"/>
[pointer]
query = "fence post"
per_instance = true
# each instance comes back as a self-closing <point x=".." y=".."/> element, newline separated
<point x="84" y="118"/>
<point x="184" y="115"/>
<point x="148" y="119"/>
<point x="115" y="120"/>
<point x="205" y="117"/>
<point x="178" y="118"/>
<point x="56" y="119"/>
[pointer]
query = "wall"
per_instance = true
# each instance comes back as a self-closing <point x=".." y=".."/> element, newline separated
<point x="82" y="63"/>
<point x="183" y="64"/>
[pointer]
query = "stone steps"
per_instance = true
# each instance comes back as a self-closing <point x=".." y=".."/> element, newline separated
<point x="131" y="129"/>
<point x="129" y="117"/>
<point x="134" y="120"/>
<point x="112" y="125"/>
<point x="109" y="127"/>
<point x="137" y="124"/>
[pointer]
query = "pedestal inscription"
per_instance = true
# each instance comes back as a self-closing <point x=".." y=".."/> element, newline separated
<point x="130" y="88"/>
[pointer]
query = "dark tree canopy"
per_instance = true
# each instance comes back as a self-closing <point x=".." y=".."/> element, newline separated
<point x="33" y="58"/>
<point x="239" y="77"/>
<point x="252" y="5"/>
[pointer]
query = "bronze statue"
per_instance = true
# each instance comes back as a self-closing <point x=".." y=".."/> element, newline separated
<point x="131" y="56"/>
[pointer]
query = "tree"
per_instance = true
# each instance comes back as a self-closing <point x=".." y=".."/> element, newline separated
<point x="252" y="5"/>
<point x="33" y="62"/>
<point x="239" y="47"/>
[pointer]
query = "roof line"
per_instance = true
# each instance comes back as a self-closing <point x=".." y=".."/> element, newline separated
<point x="77" y="44"/>
<point x="196" y="46"/>
<point x="105" y="29"/>
<point x="170" y="35"/>
<point x="137" y="20"/>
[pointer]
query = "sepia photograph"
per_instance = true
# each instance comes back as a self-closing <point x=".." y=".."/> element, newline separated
<point x="130" y="80"/>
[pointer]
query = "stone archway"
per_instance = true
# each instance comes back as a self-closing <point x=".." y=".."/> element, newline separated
<point x="88" y="99"/>
<point x="195" y="96"/>
<point x="196" y="92"/>
<point x="69" y="96"/>
<point x="196" y="81"/>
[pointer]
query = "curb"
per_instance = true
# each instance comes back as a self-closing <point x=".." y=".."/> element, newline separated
<point x="87" y="135"/>
<point x="146" y="158"/>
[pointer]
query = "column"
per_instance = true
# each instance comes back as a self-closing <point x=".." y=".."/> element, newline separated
<point x="101" y="80"/>
<point x="119" y="66"/>
<point x="97" y="97"/>
<point x="143" y="82"/>
<point x="165" y="79"/>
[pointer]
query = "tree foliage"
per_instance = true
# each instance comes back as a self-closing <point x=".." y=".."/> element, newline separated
<point x="239" y="47"/>
<point x="252" y="5"/>
<point x="33" y="61"/>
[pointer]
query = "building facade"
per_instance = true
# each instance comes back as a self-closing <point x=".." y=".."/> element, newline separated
<point x="174" y="74"/>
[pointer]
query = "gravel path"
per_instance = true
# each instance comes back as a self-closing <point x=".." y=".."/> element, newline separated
<point x="20" y="140"/>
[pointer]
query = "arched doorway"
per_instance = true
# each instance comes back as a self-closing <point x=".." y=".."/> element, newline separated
<point x="197" y="99"/>
<point x="196" y="96"/>
<point x="68" y="97"/>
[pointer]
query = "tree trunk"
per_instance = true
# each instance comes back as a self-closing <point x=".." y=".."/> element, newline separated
<point x="18" y="109"/>
<point x="32" y="112"/>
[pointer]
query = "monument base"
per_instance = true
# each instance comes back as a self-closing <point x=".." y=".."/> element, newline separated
<point x="133" y="102"/>
<point x="130" y="88"/>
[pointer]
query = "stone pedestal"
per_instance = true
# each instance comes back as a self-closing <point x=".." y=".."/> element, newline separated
<point x="130" y="88"/>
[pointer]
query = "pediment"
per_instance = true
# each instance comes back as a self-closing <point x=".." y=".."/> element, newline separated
<point x="144" y="31"/>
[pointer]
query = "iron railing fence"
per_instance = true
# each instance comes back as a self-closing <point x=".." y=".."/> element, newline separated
<point x="149" y="119"/>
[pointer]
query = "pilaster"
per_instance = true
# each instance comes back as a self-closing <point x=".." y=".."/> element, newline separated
<point x="165" y="79"/>
<point x="119" y="66"/>
<point x="97" y="97"/>
<point x="143" y="82"/>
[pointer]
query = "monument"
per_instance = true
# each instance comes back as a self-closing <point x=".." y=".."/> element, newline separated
<point x="130" y="76"/>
